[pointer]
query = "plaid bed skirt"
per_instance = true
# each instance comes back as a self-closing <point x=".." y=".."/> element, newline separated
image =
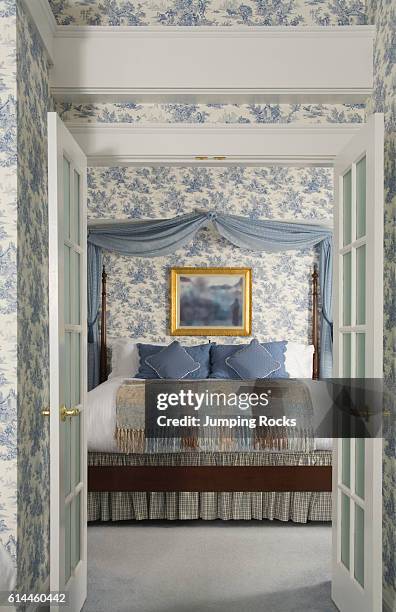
<point x="294" y="506"/>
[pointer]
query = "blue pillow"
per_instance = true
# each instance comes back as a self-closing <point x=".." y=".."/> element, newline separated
<point x="173" y="362"/>
<point x="199" y="353"/>
<point x="253" y="361"/>
<point x="218" y="366"/>
<point x="278" y="352"/>
<point x="220" y="352"/>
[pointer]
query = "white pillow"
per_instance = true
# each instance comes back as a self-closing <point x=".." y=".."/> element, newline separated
<point x="124" y="358"/>
<point x="298" y="361"/>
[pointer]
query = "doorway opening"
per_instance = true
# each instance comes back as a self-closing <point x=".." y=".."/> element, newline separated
<point x="71" y="264"/>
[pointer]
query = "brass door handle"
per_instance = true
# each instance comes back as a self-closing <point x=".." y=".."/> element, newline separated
<point x="65" y="412"/>
<point x="45" y="412"/>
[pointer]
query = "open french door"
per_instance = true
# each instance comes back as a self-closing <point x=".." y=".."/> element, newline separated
<point x="358" y="349"/>
<point x="67" y="171"/>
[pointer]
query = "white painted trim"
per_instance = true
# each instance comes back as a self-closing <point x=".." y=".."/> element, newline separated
<point x="213" y="64"/>
<point x="214" y="128"/>
<point x="346" y="591"/>
<point x="75" y="42"/>
<point x="54" y="263"/>
<point x="270" y="160"/>
<point x="180" y="144"/>
<point x="62" y="145"/>
<point x="217" y="95"/>
<point x="40" y="12"/>
<point x="264" y="160"/>
<point x="239" y="31"/>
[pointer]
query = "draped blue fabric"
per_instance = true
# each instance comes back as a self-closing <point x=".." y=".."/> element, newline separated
<point x="266" y="235"/>
<point x="153" y="238"/>
<point x="326" y="294"/>
<point x="93" y="306"/>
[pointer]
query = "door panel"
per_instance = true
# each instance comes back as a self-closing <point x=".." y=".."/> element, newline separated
<point x="358" y="346"/>
<point x="68" y="487"/>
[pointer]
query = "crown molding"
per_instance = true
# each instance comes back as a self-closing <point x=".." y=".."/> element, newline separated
<point x="43" y="17"/>
<point x="215" y="31"/>
<point x="217" y="65"/>
<point x="220" y="95"/>
<point x="101" y="77"/>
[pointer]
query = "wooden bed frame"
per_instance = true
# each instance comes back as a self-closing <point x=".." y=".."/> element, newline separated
<point x="210" y="478"/>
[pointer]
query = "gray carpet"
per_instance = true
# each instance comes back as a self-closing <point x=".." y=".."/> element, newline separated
<point x="214" y="566"/>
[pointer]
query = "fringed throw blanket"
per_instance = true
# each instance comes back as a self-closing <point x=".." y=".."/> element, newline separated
<point x="285" y="423"/>
<point x="130" y="419"/>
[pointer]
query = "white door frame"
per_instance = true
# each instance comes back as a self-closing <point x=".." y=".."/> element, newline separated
<point x="369" y="144"/>
<point x="60" y="144"/>
<point x="194" y="144"/>
<point x="104" y="147"/>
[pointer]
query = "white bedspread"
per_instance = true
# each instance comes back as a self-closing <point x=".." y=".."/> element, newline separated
<point x="101" y="418"/>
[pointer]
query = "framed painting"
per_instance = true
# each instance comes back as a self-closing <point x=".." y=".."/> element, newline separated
<point x="211" y="301"/>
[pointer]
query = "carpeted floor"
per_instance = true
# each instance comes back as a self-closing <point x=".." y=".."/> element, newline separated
<point x="214" y="566"/>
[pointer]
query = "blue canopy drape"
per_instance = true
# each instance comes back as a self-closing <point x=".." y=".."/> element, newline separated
<point x="154" y="238"/>
<point x="94" y="293"/>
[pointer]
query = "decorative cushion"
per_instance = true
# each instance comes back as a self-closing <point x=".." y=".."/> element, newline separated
<point x="253" y="361"/>
<point x="221" y="352"/>
<point x="199" y="354"/>
<point x="278" y="351"/>
<point x="173" y="361"/>
<point x="218" y="355"/>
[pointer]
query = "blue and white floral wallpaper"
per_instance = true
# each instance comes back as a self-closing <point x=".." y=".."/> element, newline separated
<point x="8" y="288"/>
<point x="33" y="98"/>
<point x="24" y="474"/>
<point x="209" y="12"/>
<point x="138" y="289"/>
<point x="149" y="192"/>
<point x="211" y="113"/>
<point x="383" y="14"/>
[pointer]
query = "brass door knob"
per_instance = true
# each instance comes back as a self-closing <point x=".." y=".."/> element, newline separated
<point x="45" y="412"/>
<point x="65" y="412"/>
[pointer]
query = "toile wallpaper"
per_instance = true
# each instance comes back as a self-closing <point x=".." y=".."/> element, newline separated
<point x="209" y="12"/>
<point x="383" y="14"/>
<point x="8" y="289"/>
<point x="127" y="192"/>
<point x="138" y="289"/>
<point x="211" y="113"/>
<point x="24" y="93"/>
<point x="33" y="358"/>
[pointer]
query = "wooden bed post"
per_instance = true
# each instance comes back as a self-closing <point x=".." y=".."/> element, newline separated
<point x="103" y="331"/>
<point x="315" y="324"/>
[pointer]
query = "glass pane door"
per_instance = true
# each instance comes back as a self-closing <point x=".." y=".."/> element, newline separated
<point x="67" y="196"/>
<point x="358" y="353"/>
<point x="353" y="257"/>
<point x="352" y="253"/>
<point x="73" y="334"/>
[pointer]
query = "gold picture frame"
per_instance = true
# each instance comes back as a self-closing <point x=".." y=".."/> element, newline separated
<point x="223" y="307"/>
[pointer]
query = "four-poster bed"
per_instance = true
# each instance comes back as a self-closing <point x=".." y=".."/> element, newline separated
<point x="310" y="477"/>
